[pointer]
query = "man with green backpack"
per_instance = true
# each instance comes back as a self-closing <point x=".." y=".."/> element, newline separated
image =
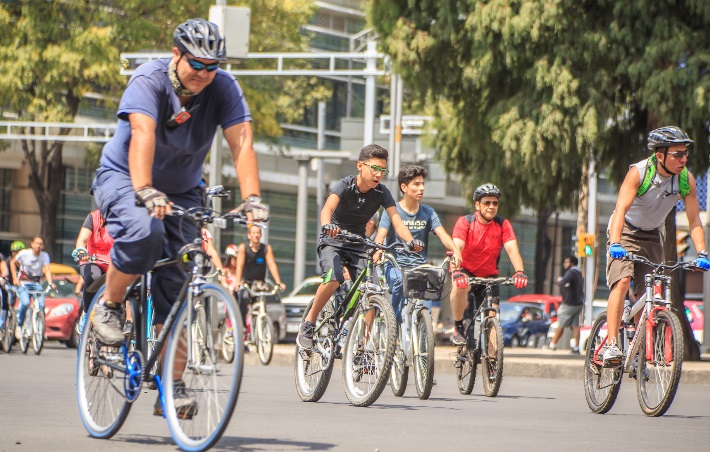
<point x="649" y="192"/>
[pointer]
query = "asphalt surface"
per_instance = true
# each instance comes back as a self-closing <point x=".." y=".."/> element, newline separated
<point x="38" y="412"/>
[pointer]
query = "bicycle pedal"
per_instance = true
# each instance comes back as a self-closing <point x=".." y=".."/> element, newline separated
<point x="612" y="363"/>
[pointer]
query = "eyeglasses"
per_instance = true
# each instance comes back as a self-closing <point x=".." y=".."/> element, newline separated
<point x="198" y="66"/>
<point x="490" y="203"/>
<point x="679" y="154"/>
<point x="377" y="169"/>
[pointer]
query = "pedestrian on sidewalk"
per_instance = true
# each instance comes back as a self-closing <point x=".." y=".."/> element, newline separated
<point x="572" y="284"/>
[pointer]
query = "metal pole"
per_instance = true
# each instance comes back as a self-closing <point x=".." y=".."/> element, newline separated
<point x="370" y="93"/>
<point x="398" y="130"/>
<point x="319" y="173"/>
<point x="592" y="229"/>
<point x="299" y="270"/>
<point x="215" y="167"/>
<point x="393" y="113"/>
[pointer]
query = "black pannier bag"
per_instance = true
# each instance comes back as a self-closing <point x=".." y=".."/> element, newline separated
<point x="425" y="283"/>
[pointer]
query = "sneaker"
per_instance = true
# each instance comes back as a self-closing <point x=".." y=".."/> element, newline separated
<point x="552" y="347"/>
<point x="612" y="355"/>
<point x="107" y="323"/>
<point x="458" y="338"/>
<point x="305" y="335"/>
<point x="574" y="351"/>
<point x="128" y="328"/>
<point x="185" y="403"/>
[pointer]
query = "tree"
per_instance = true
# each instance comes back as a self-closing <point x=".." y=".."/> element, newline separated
<point x="526" y="92"/>
<point x="54" y="53"/>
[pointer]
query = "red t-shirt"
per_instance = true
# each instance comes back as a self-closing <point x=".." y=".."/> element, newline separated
<point x="483" y="244"/>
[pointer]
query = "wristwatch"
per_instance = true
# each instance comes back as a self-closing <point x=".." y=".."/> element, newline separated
<point x="253" y="199"/>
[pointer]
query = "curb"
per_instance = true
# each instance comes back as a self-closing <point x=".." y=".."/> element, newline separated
<point x="529" y="363"/>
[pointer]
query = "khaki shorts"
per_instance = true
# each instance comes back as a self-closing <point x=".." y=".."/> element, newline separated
<point x="638" y="241"/>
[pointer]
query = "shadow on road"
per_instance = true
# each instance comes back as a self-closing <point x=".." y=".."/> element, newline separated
<point x="231" y="443"/>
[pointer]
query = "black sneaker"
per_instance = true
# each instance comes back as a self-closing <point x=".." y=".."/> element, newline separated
<point x="458" y="338"/>
<point x="185" y="404"/>
<point x="305" y="335"/>
<point x="127" y="328"/>
<point x="107" y="322"/>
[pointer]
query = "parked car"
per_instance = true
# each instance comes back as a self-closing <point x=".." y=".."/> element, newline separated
<point x="548" y="303"/>
<point x="61" y="310"/>
<point x="696" y="317"/>
<point x="296" y="303"/>
<point x="523" y="324"/>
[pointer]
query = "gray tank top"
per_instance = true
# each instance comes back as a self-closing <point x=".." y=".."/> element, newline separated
<point x="650" y="210"/>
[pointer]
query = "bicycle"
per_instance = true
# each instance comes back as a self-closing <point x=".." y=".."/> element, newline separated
<point x="365" y="321"/>
<point x="260" y="327"/>
<point x="484" y="333"/>
<point x="653" y="353"/>
<point x="109" y="378"/>
<point x="34" y="324"/>
<point x="10" y="320"/>
<point x="416" y="342"/>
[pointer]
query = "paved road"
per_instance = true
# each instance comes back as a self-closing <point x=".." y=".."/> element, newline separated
<point x="38" y="412"/>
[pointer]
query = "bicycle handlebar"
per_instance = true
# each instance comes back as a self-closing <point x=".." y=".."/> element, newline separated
<point x="273" y="291"/>
<point x="344" y="236"/>
<point x="500" y="280"/>
<point x="662" y="266"/>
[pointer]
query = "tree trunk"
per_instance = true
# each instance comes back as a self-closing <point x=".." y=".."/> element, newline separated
<point x="692" y="347"/>
<point x="542" y="248"/>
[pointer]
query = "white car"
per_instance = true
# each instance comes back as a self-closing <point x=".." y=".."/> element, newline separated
<point x="296" y="303"/>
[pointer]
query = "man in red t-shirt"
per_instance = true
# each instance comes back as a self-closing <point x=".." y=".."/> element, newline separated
<point x="480" y="237"/>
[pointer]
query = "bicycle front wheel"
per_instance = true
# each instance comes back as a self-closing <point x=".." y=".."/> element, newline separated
<point x="659" y="369"/>
<point x="201" y="393"/>
<point x="103" y="406"/>
<point x="37" y="331"/>
<point x="264" y="339"/>
<point x="7" y="340"/>
<point x="492" y="359"/>
<point x="400" y="372"/>
<point x="423" y="354"/>
<point x="369" y="351"/>
<point x="601" y="384"/>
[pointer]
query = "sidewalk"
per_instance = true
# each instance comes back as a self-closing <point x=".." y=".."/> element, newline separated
<point x="518" y="362"/>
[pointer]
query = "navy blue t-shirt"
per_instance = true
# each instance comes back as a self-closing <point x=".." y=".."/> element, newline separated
<point x="355" y="208"/>
<point x="179" y="152"/>
<point x="420" y="224"/>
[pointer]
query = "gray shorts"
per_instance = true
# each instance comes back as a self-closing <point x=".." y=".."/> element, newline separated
<point x="568" y="315"/>
<point x="638" y="241"/>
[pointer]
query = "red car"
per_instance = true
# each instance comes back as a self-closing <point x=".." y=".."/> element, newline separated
<point x="61" y="311"/>
<point x="548" y="303"/>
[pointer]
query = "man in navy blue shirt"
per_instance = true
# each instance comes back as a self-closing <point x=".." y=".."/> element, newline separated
<point x="168" y="116"/>
<point x="421" y="220"/>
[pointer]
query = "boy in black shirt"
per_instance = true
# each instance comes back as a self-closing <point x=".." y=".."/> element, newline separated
<point x="350" y="205"/>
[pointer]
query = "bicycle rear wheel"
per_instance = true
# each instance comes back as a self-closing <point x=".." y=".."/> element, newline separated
<point x="201" y="394"/>
<point x="24" y="339"/>
<point x="658" y="377"/>
<point x="601" y="384"/>
<point x="38" y="326"/>
<point x="8" y="339"/>
<point x="314" y="367"/>
<point x="400" y="372"/>
<point x="103" y="406"/>
<point x="423" y="354"/>
<point x="369" y="350"/>
<point x="492" y="359"/>
<point x="465" y="370"/>
<point x="264" y="339"/>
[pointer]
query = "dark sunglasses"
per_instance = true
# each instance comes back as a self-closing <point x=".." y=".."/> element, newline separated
<point x="490" y="203"/>
<point x="679" y="154"/>
<point x="198" y="66"/>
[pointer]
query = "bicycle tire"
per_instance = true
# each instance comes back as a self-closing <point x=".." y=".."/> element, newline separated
<point x="400" y="372"/>
<point x="38" y="325"/>
<point x="8" y="339"/>
<point x="492" y="358"/>
<point x="375" y="356"/>
<point x="657" y="383"/>
<point x="465" y="370"/>
<point x="200" y="425"/>
<point x="102" y="409"/>
<point x="227" y="344"/>
<point x="423" y="354"/>
<point x="601" y="385"/>
<point x="313" y="368"/>
<point x="264" y="339"/>
<point x="24" y="340"/>
<point x="152" y="338"/>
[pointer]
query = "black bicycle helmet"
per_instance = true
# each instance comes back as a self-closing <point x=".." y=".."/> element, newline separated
<point x="667" y="136"/>
<point x="200" y="38"/>
<point x="486" y="190"/>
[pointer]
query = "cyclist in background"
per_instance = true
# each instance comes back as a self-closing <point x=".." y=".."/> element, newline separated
<point x="649" y="192"/>
<point x="421" y="220"/>
<point x="26" y="269"/>
<point x="4" y="294"/>
<point x="8" y="290"/>
<point x="252" y="260"/>
<point x="481" y="236"/>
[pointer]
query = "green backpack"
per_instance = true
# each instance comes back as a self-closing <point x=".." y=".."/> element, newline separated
<point x="684" y="186"/>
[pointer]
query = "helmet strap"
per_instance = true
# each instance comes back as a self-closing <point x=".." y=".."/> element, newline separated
<point x="175" y="80"/>
<point x="665" y="155"/>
